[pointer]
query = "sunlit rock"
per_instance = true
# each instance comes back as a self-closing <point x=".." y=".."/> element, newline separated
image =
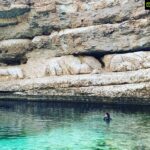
<point x="41" y="42"/>
<point x="75" y="47"/>
<point x="14" y="50"/>
<point x="72" y="65"/>
<point x="127" y="62"/>
<point x="13" y="72"/>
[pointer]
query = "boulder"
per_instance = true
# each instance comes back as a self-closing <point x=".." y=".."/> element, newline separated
<point x="104" y="38"/>
<point x="127" y="62"/>
<point x="41" y="42"/>
<point x="28" y="19"/>
<point x="14" y="72"/>
<point x="14" y="50"/>
<point x="72" y="65"/>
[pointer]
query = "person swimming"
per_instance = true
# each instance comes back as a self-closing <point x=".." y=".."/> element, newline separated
<point x="107" y="117"/>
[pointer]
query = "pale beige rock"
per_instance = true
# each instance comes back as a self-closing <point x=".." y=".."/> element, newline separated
<point x="126" y="62"/>
<point x="15" y="45"/>
<point x="42" y="63"/>
<point x="96" y="71"/>
<point x="103" y="38"/>
<point x="67" y="8"/>
<point x="138" y="90"/>
<point x="14" y="50"/>
<point x="12" y="14"/>
<point x="91" y="62"/>
<point x="53" y="67"/>
<point x="72" y="65"/>
<point x="120" y="84"/>
<point x="44" y="5"/>
<point x="45" y="16"/>
<point x="69" y="28"/>
<point x="14" y="72"/>
<point x="41" y="42"/>
<point x="85" y="69"/>
<point x="37" y="62"/>
<point x="35" y="69"/>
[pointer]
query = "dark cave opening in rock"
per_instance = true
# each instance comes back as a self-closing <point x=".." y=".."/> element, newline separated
<point x="17" y="60"/>
<point x="100" y="54"/>
<point x="95" y="54"/>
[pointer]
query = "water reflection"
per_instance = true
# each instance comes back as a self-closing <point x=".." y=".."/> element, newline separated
<point x="42" y="126"/>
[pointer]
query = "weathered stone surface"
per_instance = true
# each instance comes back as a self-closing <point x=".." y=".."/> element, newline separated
<point x="88" y="21"/>
<point x="104" y="38"/>
<point x="105" y="85"/>
<point x="44" y="6"/>
<point x="38" y="17"/>
<point x="84" y="47"/>
<point x="13" y="51"/>
<point x="14" y="72"/>
<point x="41" y="42"/>
<point x="12" y="14"/>
<point x="126" y="36"/>
<point x="45" y="63"/>
<point x="127" y="62"/>
<point x="57" y="66"/>
<point x="72" y="65"/>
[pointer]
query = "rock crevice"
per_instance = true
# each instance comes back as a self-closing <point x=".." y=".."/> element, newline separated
<point x="75" y="48"/>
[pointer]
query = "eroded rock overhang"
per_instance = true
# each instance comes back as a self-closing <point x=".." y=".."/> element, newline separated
<point x="75" y="48"/>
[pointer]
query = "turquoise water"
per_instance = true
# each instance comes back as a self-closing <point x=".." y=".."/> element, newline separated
<point x="48" y="126"/>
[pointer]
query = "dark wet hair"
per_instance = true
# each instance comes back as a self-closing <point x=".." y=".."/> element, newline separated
<point x="108" y="115"/>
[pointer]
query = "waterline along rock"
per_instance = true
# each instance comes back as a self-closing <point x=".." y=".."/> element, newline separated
<point x="75" y="50"/>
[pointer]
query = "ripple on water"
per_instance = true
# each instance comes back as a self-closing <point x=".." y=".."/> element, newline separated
<point x="35" y="126"/>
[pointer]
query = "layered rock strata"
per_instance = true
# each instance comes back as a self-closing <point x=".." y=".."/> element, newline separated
<point x="75" y="48"/>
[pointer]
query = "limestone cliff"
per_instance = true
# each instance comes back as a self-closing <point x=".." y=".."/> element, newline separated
<point x="82" y="48"/>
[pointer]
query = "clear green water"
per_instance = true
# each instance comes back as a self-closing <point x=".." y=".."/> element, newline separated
<point x="47" y="126"/>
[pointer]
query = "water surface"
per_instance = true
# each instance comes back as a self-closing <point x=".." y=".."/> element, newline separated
<point x="49" y="126"/>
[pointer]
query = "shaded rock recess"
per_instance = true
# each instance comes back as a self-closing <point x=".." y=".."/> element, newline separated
<point x="68" y="48"/>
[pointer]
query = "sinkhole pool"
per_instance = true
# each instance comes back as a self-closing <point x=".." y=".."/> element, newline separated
<point x="61" y="126"/>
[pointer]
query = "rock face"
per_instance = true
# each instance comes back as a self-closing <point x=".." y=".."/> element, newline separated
<point x="13" y="72"/>
<point x="75" y="48"/>
<point x="104" y="38"/>
<point x="72" y="65"/>
<point x="14" y="50"/>
<point x="127" y="62"/>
